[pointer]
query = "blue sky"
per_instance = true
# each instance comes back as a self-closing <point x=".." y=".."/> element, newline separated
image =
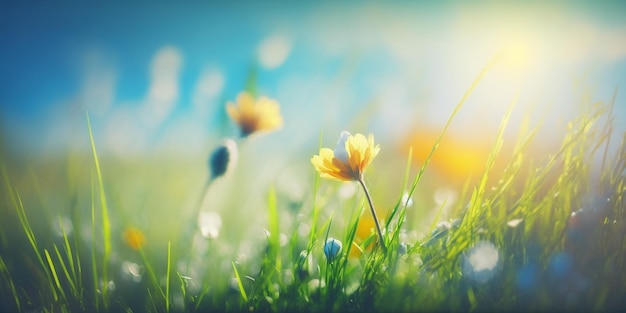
<point x="147" y="72"/>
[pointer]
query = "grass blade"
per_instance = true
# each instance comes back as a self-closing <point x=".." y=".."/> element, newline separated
<point x="167" y="277"/>
<point x="351" y="234"/>
<point x="477" y="202"/>
<point x="75" y="277"/>
<point x="106" y="223"/>
<point x="6" y="278"/>
<point x="456" y="110"/>
<point x="151" y="272"/>
<point x="316" y="209"/>
<point x="274" y="225"/>
<point x="68" y="277"/>
<point x="242" y="291"/>
<point x="54" y="274"/>
<point x="399" y="202"/>
<point x="94" y="262"/>
<point x="17" y="202"/>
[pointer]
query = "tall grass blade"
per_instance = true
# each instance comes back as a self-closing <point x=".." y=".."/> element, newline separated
<point x="94" y="262"/>
<point x="456" y="110"/>
<point x="151" y="272"/>
<point x="402" y="194"/>
<point x="203" y="294"/>
<point x="74" y="274"/>
<point x="242" y="291"/>
<point x="490" y="162"/>
<point x="152" y="302"/>
<point x="54" y="274"/>
<point x="17" y="202"/>
<point x="68" y="277"/>
<point x="274" y="225"/>
<point x="6" y="278"/>
<point x="167" y="277"/>
<point x="351" y="234"/>
<point x="316" y="209"/>
<point x="106" y="223"/>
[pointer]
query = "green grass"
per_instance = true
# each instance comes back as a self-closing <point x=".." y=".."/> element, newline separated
<point x="556" y="226"/>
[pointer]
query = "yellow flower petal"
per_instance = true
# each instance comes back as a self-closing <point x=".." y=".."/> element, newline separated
<point x="360" y="153"/>
<point x="254" y="116"/>
<point x="134" y="238"/>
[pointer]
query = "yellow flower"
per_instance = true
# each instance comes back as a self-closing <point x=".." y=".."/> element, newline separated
<point x="349" y="159"/>
<point x="347" y="162"/>
<point x="134" y="237"/>
<point x="254" y="116"/>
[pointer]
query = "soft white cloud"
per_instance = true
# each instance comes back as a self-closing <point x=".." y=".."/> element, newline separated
<point x="130" y="126"/>
<point x="185" y="135"/>
<point x="99" y="82"/>
<point x="124" y="134"/>
<point x="164" y="86"/>
<point x="208" y="87"/>
<point x="273" y="51"/>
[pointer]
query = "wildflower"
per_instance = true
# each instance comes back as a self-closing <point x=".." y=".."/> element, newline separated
<point x="254" y="116"/>
<point x="349" y="159"/>
<point x="332" y="248"/>
<point x="347" y="162"/>
<point x="223" y="158"/>
<point x="134" y="238"/>
<point x="302" y="264"/>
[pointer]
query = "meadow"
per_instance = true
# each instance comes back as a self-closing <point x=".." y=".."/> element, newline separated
<point x="533" y="232"/>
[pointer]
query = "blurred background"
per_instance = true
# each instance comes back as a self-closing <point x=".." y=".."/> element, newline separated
<point x="155" y="77"/>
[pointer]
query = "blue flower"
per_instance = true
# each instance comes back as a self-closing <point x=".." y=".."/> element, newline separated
<point x="332" y="248"/>
<point x="223" y="158"/>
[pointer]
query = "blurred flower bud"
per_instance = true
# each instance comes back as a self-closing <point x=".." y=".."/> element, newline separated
<point x="133" y="237"/>
<point x="332" y="248"/>
<point x="302" y="266"/>
<point x="223" y="158"/>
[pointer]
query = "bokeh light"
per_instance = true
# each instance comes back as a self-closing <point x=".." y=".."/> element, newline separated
<point x="481" y="262"/>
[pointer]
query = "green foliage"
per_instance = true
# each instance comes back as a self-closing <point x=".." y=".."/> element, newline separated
<point x="544" y="234"/>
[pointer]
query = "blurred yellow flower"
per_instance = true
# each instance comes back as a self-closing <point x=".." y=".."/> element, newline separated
<point x="134" y="238"/>
<point x="254" y="116"/>
<point x="349" y="159"/>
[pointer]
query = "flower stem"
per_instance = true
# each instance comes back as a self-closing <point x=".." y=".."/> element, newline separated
<point x="369" y="200"/>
